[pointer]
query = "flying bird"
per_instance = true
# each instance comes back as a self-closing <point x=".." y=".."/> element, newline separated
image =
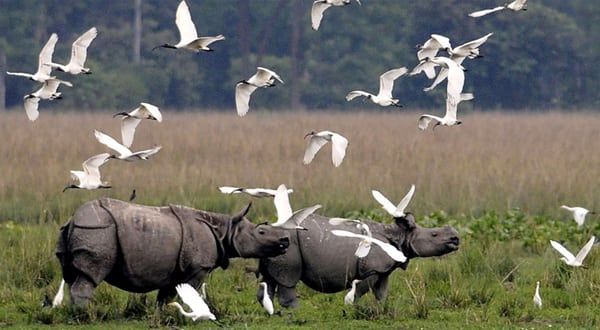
<point x="569" y="258"/>
<point x="449" y="119"/>
<point x="285" y="217"/>
<point x="395" y="211"/>
<point x="43" y="72"/>
<point x="78" y="54"/>
<point x="349" y="297"/>
<point x="392" y="251"/>
<point x="188" y="36"/>
<point x="579" y="213"/>
<point x="428" y="50"/>
<point x="132" y="196"/>
<point x="456" y="78"/>
<point x="514" y="6"/>
<point x="48" y="91"/>
<point x="89" y="178"/>
<point x="130" y="120"/>
<point x="537" y="299"/>
<point x="60" y="294"/>
<point x="264" y="299"/>
<point x="319" y="7"/>
<point x="194" y="301"/>
<point x="318" y="140"/>
<point x="254" y="192"/>
<point x="458" y="54"/>
<point x="364" y="247"/>
<point x="244" y="88"/>
<point x="123" y="152"/>
<point x="386" y="85"/>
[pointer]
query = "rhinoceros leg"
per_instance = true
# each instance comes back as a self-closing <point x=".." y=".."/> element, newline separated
<point x="287" y="296"/>
<point x="165" y="295"/>
<point x="81" y="290"/>
<point x="380" y="288"/>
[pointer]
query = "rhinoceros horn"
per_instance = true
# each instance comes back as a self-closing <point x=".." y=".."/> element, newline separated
<point x="238" y="217"/>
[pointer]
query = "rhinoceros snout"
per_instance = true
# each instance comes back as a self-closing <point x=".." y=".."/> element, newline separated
<point x="453" y="242"/>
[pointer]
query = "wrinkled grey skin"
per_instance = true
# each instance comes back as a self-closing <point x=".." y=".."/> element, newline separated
<point x="326" y="262"/>
<point x="141" y="248"/>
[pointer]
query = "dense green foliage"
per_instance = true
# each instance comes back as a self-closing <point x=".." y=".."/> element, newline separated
<point x="488" y="283"/>
<point x="540" y="58"/>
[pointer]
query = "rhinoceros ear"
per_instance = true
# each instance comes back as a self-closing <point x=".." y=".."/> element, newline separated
<point x="407" y="221"/>
<point x="238" y="217"/>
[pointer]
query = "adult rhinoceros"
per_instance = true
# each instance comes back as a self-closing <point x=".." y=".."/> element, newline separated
<point x="141" y="248"/>
<point x="327" y="263"/>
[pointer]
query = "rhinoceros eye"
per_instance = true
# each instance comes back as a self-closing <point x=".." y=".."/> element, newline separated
<point x="261" y="231"/>
<point x="434" y="234"/>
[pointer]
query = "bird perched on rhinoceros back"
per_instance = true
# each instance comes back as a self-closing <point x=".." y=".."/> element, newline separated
<point x="328" y="264"/>
<point x="142" y="248"/>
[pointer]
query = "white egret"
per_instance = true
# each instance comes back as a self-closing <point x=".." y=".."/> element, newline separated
<point x="194" y="301"/>
<point x="254" y="192"/>
<point x="318" y="140"/>
<point x="569" y="258"/>
<point x="386" y="85"/>
<point x="319" y="7"/>
<point x="123" y="152"/>
<point x="90" y="178"/>
<point x="364" y="247"/>
<point x="449" y="119"/>
<point x="456" y="78"/>
<point x="458" y="54"/>
<point x="428" y="50"/>
<point x="78" y="54"/>
<point x="60" y="294"/>
<point x="579" y="213"/>
<point x="43" y="72"/>
<point x="514" y="6"/>
<point x="349" y="297"/>
<point x="244" y="88"/>
<point x="285" y="217"/>
<point x="395" y="211"/>
<point x="264" y="298"/>
<point x="391" y="250"/>
<point x="48" y="91"/>
<point x="537" y="299"/>
<point x="132" y="119"/>
<point x="188" y="36"/>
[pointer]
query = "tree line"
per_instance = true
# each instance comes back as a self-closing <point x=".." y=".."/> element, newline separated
<point x="542" y="58"/>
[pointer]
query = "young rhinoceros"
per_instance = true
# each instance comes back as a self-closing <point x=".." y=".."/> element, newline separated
<point x="141" y="248"/>
<point x="327" y="263"/>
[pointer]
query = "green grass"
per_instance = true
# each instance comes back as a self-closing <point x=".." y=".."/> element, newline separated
<point x="488" y="283"/>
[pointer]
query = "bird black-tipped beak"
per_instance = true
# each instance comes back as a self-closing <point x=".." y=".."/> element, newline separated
<point x="67" y="187"/>
<point x="309" y="134"/>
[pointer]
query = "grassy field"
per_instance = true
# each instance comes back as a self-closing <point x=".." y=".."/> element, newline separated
<point x="499" y="179"/>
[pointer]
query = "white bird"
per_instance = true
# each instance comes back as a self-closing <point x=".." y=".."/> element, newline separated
<point x="78" y="54"/>
<point x="364" y="247"/>
<point x="537" y="299"/>
<point x="244" y="88"/>
<point x="254" y="192"/>
<point x="579" y="213"/>
<point x="319" y="7"/>
<point x="194" y="301"/>
<point x="90" y="178"/>
<point x="203" y="290"/>
<point x="265" y="300"/>
<point x="123" y="152"/>
<point x="514" y="6"/>
<point x="188" y="36"/>
<point x="449" y="119"/>
<point x="48" y="91"/>
<point x="43" y="72"/>
<point x="132" y="119"/>
<point x="569" y="258"/>
<point x="392" y="251"/>
<point x="458" y="54"/>
<point x="395" y="211"/>
<point x="386" y="85"/>
<point x="428" y="50"/>
<point x="285" y="217"/>
<point x="318" y="140"/>
<point x="456" y="78"/>
<point x="349" y="297"/>
<point x="60" y="294"/>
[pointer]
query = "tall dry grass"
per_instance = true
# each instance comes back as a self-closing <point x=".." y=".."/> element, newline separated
<point x="492" y="161"/>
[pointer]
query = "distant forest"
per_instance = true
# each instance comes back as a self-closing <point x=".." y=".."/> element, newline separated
<point x="544" y="58"/>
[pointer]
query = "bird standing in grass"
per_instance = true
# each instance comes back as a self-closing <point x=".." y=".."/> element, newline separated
<point x="537" y="299"/>
<point x="349" y="297"/>
<point x="194" y="301"/>
<point x="60" y="294"/>
<point x="265" y="299"/>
